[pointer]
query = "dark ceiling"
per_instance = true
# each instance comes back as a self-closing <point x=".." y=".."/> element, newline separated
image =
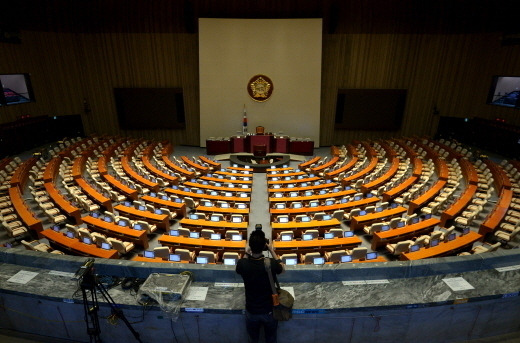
<point x="339" y="16"/>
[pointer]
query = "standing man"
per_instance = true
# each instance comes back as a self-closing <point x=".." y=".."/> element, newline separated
<point x="259" y="300"/>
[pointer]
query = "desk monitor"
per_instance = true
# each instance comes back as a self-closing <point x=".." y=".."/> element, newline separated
<point x="327" y="217"/>
<point x="207" y="204"/>
<point x="243" y="195"/>
<point x="153" y="194"/>
<point x="452" y="236"/>
<point x="105" y="246"/>
<point x="164" y="197"/>
<point x="200" y="191"/>
<point x="194" y="217"/>
<point x="230" y="262"/>
<point x="347" y="188"/>
<point x="370" y="195"/>
<point x="297" y="205"/>
<point x="371" y="256"/>
<point x="319" y="260"/>
<point x="277" y="195"/>
<point x="224" y="205"/>
<point x="275" y="179"/>
<point x="236" y="237"/>
<point x="358" y="197"/>
<point x="108" y="219"/>
<point x="86" y="240"/>
<point x="205" y="182"/>
<point x="286" y="172"/>
<point x="283" y="220"/>
<point x="213" y="193"/>
<point x="379" y="209"/>
<point x="287" y="178"/>
<point x="286" y="238"/>
<point x="330" y="202"/>
<point x="362" y="213"/>
<point x="427" y="216"/>
<point x="220" y="176"/>
<point x="236" y="220"/>
<point x="69" y="234"/>
<point x="328" y="235"/>
<point x="312" y="175"/>
<point x="415" y="247"/>
<point x="230" y="185"/>
<point x="95" y="214"/>
<point x="307" y="237"/>
<point x="394" y="205"/>
<point x="328" y="181"/>
<point x="186" y="189"/>
<point x="228" y="194"/>
<point x="174" y="232"/>
<point x="290" y="185"/>
<point x="385" y="227"/>
<point x="194" y="234"/>
<point x="414" y="220"/>
<point x="235" y="165"/>
<point x="306" y="219"/>
<point x="323" y="191"/>
<point x="308" y="193"/>
<point x="247" y="167"/>
<point x="335" y="190"/>
<point x="56" y="228"/>
<point x="346" y="258"/>
<point x="121" y="222"/>
<point x="279" y="206"/>
<point x="465" y="231"/>
<point x="304" y="184"/>
<point x="218" y="184"/>
<point x="179" y="200"/>
<point x="348" y="234"/>
<point x="141" y="208"/>
<point x="241" y="206"/>
<point x="127" y="204"/>
<point x="175" y="187"/>
<point x="174" y="257"/>
<point x="233" y="178"/>
<point x="276" y="186"/>
<point x="149" y="254"/>
<point x="293" y="194"/>
<point x="291" y="261"/>
<point x="316" y="183"/>
<point x="245" y="186"/>
<point x="215" y="236"/>
<point x="401" y="224"/>
<point x="202" y="260"/>
<point x="299" y="177"/>
<point x="434" y="243"/>
<point x="214" y="218"/>
<point x="344" y="200"/>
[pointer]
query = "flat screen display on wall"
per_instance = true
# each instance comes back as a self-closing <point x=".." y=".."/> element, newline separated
<point x="505" y="91"/>
<point x="150" y="108"/>
<point x="16" y="89"/>
<point x="370" y="109"/>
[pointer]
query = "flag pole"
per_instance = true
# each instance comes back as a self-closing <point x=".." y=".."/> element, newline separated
<point x="244" y="122"/>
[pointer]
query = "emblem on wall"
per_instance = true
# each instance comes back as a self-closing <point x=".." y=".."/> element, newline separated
<point x="260" y="88"/>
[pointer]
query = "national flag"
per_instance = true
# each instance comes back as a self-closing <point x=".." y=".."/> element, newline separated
<point x="244" y="121"/>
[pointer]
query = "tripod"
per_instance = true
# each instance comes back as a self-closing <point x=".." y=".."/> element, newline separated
<point x="90" y="284"/>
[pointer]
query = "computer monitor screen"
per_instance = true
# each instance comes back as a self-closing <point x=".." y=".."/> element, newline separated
<point x="306" y="219"/>
<point x="347" y="188"/>
<point x="379" y="209"/>
<point x="369" y="195"/>
<point x="194" y="217"/>
<point x="152" y="194"/>
<point x="415" y="247"/>
<point x="344" y="200"/>
<point x="290" y="185"/>
<point x="142" y="208"/>
<point x="427" y="216"/>
<point x="200" y="191"/>
<point x="357" y="198"/>
<point x="394" y="205"/>
<point x="224" y="205"/>
<point x="327" y="217"/>
<point x="323" y="191"/>
<point x="319" y="260"/>
<point x="304" y="184"/>
<point x="121" y="222"/>
<point x="218" y="184"/>
<point x="306" y="236"/>
<point x="346" y="258"/>
<point x="244" y="186"/>
<point x="213" y="193"/>
<point x="236" y="220"/>
<point x="451" y="236"/>
<point x="205" y="182"/>
<point x="236" y="237"/>
<point x="241" y="206"/>
<point x="207" y="204"/>
<point x="278" y="195"/>
<point x="308" y="193"/>
<point x="401" y="224"/>
<point x="215" y="218"/>
<point x="175" y="187"/>
<point x="174" y="257"/>
<point x="186" y="189"/>
<point x="465" y="231"/>
<point x="202" y="260"/>
<point x="415" y="220"/>
<point x="434" y="242"/>
<point x="371" y="255"/>
<point x="95" y="214"/>
<point x="287" y="178"/>
<point x="286" y="238"/>
<point x="246" y="178"/>
<point x="283" y="220"/>
<point x="293" y="194"/>
<point x="230" y="261"/>
<point x="105" y="246"/>
<point x="279" y="206"/>
<point x="362" y="213"/>
<point x="194" y="234"/>
<point x="297" y="205"/>
<point x="108" y="219"/>
<point x="348" y="234"/>
<point x="70" y="234"/>
<point x="230" y="185"/>
<point x="149" y="254"/>
<point x="178" y="200"/>
<point x="277" y="186"/>
<point x="215" y="236"/>
<point x="329" y="202"/>
<point x="233" y="178"/>
<point x="275" y="179"/>
<point x="313" y="204"/>
<point x="243" y="195"/>
<point x="385" y="227"/>
<point x="328" y="235"/>
<point x="291" y="261"/>
<point x="56" y="228"/>
<point x="127" y="203"/>
<point x="86" y="240"/>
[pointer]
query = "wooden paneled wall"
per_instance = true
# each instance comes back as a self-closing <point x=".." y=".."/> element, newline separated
<point x="450" y="71"/>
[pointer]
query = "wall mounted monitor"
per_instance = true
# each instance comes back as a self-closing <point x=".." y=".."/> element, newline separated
<point x="17" y="89"/>
<point x="504" y="91"/>
<point x="174" y="257"/>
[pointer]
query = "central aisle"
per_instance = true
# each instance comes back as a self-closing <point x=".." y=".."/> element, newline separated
<point x="259" y="206"/>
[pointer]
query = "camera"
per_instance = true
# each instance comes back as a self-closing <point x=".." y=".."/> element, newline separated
<point x="259" y="227"/>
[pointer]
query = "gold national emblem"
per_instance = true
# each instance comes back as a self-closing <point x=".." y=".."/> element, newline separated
<point x="260" y="88"/>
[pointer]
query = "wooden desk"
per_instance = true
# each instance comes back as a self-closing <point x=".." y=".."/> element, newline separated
<point x="197" y="244"/>
<point x="469" y="171"/>
<point x="75" y="246"/>
<point x="138" y="237"/>
<point x="120" y="187"/>
<point x="358" y="222"/>
<point x="219" y="227"/>
<point x="383" y="238"/>
<point x="309" y="163"/>
<point x="368" y="169"/>
<point x="346" y="167"/>
<point x="217" y="188"/>
<point x="458" y="206"/>
<point x="327" y="209"/>
<point x="444" y="248"/>
<point x="497" y="215"/>
<point x="21" y="173"/>
<point x="51" y="169"/>
<point x="499" y="175"/>
<point x="154" y="186"/>
<point x="306" y="199"/>
<point x="367" y="187"/>
<point x="206" y="196"/>
<point x="326" y="165"/>
<point x="160" y="220"/>
<point x="93" y="194"/>
<point x="426" y="197"/>
<point x="216" y="179"/>
<point x="153" y="260"/>
<point x="317" y="244"/>
<point x="213" y="164"/>
<point x="225" y="211"/>
<point x="157" y="172"/>
<point x="62" y="203"/>
<point x="195" y="165"/>
<point x="417" y="167"/>
<point x="26" y="216"/>
<point x="313" y="224"/>
<point x="282" y="174"/>
<point x="303" y="189"/>
<point x="400" y="188"/>
<point x="186" y="173"/>
<point x="178" y="207"/>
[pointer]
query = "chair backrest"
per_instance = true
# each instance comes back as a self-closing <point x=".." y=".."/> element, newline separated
<point x="284" y="257"/>
<point x="209" y="254"/>
<point x="338" y="214"/>
<point x="184" y="232"/>
<point x="162" y="252"/>
<point x="335" y="256"/>
<point x="359" y="253"/>
<point x="337" y="232"/>
<point x="315" y="233"/>
<point x="231" y="254"/>
<point x="206" y="233"/>
<point x="402" y="247"/>
<point x="309" y="257"/>
<point x="184" y="254"/>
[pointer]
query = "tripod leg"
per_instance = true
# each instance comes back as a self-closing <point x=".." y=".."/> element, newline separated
<point x="91" y="316"/>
